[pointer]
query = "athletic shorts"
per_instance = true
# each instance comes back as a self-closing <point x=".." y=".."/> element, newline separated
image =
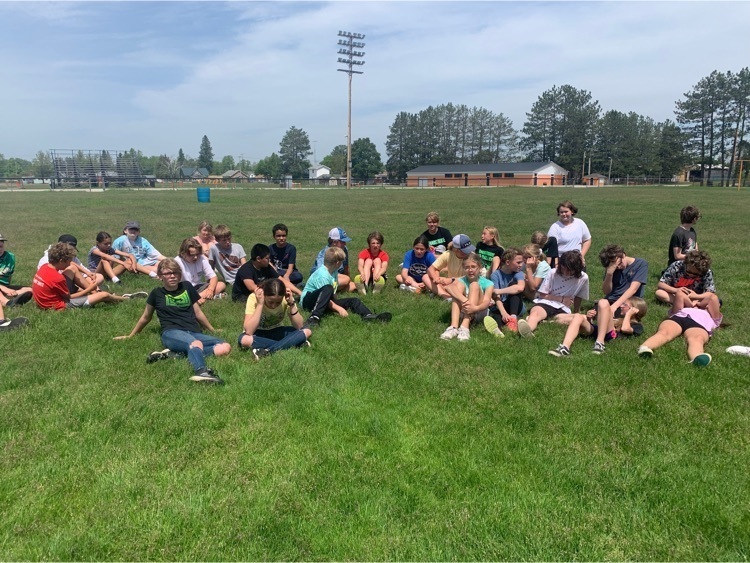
<point x="686" y="323"/>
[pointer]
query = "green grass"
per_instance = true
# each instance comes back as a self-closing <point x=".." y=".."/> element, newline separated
<point x="380" y="442"/>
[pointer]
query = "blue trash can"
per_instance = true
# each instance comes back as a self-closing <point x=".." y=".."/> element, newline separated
<point x="204" y="195"/>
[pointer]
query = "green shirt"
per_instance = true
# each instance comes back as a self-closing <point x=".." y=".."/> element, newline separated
<point x="7" y="267"/>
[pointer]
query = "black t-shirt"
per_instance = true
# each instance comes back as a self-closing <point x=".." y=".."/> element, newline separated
<point x="249" y="272"/>
<point x="174" y="309"/>
<point x="282" y="257"/>
<point x="442" y="237"/>
<point x="487" y="253"/>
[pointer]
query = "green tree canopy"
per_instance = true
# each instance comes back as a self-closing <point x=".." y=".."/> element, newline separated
<point x="293" y="151"/>
<point x="271" y="167"/>
<point x="366" y="162"/>
<point x="336" y="160"/>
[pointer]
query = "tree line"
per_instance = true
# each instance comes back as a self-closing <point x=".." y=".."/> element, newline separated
<point x="565" y="124"/>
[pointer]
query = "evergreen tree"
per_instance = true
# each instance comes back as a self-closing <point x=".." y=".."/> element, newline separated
<point x="206" y="155"/>
<point x="180" y="158"/>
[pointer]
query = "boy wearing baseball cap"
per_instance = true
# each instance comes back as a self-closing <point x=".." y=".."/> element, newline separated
<point x="131" y="241"/>
<point x="337" y="238"/>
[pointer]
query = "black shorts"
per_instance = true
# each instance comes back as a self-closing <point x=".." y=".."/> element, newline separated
<point x="686" y="323"/>
<point x="549" y="309"/>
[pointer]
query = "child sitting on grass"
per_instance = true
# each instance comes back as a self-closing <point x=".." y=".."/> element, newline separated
<point x="413" y="276"/>
<point x="50" y="286"/>
<point x="205" y="237"/>
<point x="692" y="277"/>
<point x="694" y="323"/>
<point x="490" y="251"/>
<point x="438" y="237"/>
<point x="263" y="331"/>
<point x="10" y="295"/>
<point x="372" y="264"/>
<point x="471" y="302"/>
<point x="508" y="282"/>
<point x="226" y="256"/>
<point x="562" y="291"/>
<point x="536" y="269"/>
<point x="182" y="321"/>
<point x="198" y="272"/>
<point x="284" y="255"/>
<point x="318" y="297"/>
<point x="105" y="261"/>
<point x="131" y="241"/>
<point x="626" y="321"/>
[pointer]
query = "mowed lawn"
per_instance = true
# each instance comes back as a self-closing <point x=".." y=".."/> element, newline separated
<point x="380" y="442"/>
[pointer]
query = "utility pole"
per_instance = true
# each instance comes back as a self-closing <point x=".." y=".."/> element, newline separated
<point x="348" y="46"/>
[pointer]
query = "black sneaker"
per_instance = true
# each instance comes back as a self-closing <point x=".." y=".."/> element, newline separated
<point x="10" y="324"/>
<point x="156" y="356"/>
<point x="312" y="322"/>
<point x="561" y="351"/>
<point x="207" y="375"/>
<point x="19" y="300"/>
<point x="261" y="353"/>
<point x="380" y="317"/>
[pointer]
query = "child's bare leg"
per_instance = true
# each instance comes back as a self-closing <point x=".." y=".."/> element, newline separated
<point x="668" y="331"/>
<point x="141" y="269"/>
<point x="221" y="286"/>
<point x="696" y="339"/>
<point x="366" y="273"/>
<point x="246" y="341"/>
<point x="376" y="264"/>
<point x="455" y="313"/>
<point x="104" y="297"/>
<point x="663" y="296"/>
<point x="537" y="315"/>
<point x="605" y="319"/>
<point x="105" y="269"/>
<point x="400" y="279"/>
<point x="579" y="325"/>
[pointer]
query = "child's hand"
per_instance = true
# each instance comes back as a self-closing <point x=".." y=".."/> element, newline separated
<point x="259" y="297"/>
<point x="531" y="261"/>
<point x="289" y="297"/>
<point x="121" y="337"/>
<point x="590" y="314"/>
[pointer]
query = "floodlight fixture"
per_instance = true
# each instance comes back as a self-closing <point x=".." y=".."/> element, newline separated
<point x="350" y="61"/>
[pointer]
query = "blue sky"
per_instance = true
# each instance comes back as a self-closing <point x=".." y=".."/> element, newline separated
<point x="157" y="76"/>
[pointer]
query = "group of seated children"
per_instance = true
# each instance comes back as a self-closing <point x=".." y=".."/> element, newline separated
<point x="485" y="284"/>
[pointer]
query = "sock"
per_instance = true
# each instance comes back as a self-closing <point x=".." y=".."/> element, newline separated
<point x="115" y="279"/>
<point x="153" y="275"/>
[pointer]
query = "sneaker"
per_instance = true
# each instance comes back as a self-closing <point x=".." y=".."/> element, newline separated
<point x="599" y="348"/>
<point x="524" y="329"/>
<point x="739" y="350"/>
<point x="10" y="324"/>
<point x="448" y="299"/>
<point x="403" y="287"/>
<point x="512" y="324"/>
<point x="463" y="334"/>
<point x="165" y="354"/>
<point x="136" y="295"/>
<point x="560" y="352"/>
<point x="701" y="360"/>
<point x="207" y="375"/>
<point x="645" y="352"/>
<point x="491" y="326"/>
<point x="307" y="343"/>
<point x="450" y="333"/>
<point x="378" y="286"/>
<point x="261" y="353"/>
<point x="381" y="317"/>
<point x="221" y="295"/>
<point x="361" y="288"/>
<point x="312" y="322"/>
<point x="19" y="300"/>
<point x="414" y="289"/>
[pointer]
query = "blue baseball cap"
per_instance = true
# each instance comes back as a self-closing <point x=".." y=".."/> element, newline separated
<point x="463" y="243"/>
<point x="337" y="233"/>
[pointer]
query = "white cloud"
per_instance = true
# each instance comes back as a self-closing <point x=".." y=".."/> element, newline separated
<point x="158" y="76"/>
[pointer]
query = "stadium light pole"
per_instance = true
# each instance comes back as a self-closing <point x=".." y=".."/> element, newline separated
<point x="351" y="60"/>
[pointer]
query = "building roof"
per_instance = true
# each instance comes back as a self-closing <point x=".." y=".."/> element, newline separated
<point x="515" y="167"/>
<point x="192" y="172"/>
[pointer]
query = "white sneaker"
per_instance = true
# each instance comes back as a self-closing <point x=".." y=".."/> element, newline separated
<point x="403" y="287"/>
<point x="361" y="288"/>
<point x="450" y="333"/>
<point x="739" y="350"/>
<point x="463" y="334"/>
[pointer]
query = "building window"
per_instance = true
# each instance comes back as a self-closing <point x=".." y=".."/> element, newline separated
<point x="497" y="175"/>
<point x="509" y="175"/>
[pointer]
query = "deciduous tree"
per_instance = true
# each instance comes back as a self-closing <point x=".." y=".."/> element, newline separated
<point x="336" y="160"/>
<point x="366" y="162"/>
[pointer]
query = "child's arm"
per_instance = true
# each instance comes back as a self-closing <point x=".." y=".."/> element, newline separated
<point x="627" y="327"/>
<point x="290" y="286"/>
<point x="202" y="318"/>
<point x="294" y="315"/>
<point x="110" y="258"/>
<point x="252" y="321"/>
<point x="495" y="263"/>
<point x="514" y="289"/>
<point x="576" y="304"/>
<point x="146" y="317"/>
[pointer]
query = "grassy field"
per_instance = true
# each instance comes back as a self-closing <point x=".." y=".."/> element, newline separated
<point x="379" y="442"/>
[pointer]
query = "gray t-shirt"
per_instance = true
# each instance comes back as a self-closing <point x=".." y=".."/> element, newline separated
<point x="227" y="262"/>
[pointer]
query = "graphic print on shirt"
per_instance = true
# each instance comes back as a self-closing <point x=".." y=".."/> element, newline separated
<point x="179" y="300"/>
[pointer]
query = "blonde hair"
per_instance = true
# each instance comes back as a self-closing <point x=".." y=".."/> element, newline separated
<point x="533" y="250"/>
<point x="169" y="264"/>
<point x="472" y="257"/>
<point x="495" y="235"/>
<point x="334" y="255"/>
<point x="539" y="237"/>
<point x="640" y="304"/>
<point x="432" y="216"/>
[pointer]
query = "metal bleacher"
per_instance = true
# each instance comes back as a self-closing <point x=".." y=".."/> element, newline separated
<point x="76" y="168"/>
